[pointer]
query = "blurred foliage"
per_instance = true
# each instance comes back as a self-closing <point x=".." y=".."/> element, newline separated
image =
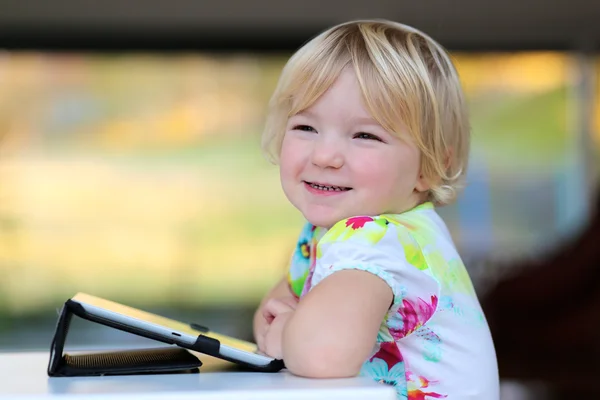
<point x="140" y="178"/>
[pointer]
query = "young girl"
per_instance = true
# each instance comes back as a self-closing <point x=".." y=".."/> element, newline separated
<point x="369" y="127"/>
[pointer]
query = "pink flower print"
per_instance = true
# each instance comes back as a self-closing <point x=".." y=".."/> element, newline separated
<point x="413" y="316"/>
<point x="424" y="382"/>
<point x="387" y="367"/>
<point x="419" y="381"/>
<point x="311" y="268"/>
<point x="358" y="222"/>
<point x="415" y="386"/>
<point x="420" y="395"/>
<point x="388" y="352"/>
<point x="308" y="281"/>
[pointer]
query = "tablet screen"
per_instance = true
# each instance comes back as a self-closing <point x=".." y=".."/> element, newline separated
<point x="168" y="323"/>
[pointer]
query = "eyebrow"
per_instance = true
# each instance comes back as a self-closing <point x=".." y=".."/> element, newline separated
<point x="366" y="121"/>
<point x="358" y="121"/>
<point x="306" y="113"/>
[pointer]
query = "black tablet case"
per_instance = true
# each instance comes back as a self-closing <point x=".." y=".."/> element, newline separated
<point x="142" y="361"/>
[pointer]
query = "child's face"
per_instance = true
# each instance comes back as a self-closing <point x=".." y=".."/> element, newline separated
<point x="337" y="162"/>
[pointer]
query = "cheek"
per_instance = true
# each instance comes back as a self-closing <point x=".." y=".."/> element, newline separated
<point x="406" y="172"/>
<point x="388" y="172"/>
<point x="373" y="170"/>
<point x="288" y="159"/>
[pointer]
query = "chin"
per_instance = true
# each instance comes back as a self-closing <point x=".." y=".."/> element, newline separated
<point x="323" y="221"/>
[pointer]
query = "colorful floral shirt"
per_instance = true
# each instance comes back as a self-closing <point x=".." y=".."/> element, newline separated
<point x="434" y="342"/>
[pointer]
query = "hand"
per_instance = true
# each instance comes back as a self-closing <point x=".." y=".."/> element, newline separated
<point x="274" y="336"/>
<point x="275" y="307"/>
<point x="268" y="313"/>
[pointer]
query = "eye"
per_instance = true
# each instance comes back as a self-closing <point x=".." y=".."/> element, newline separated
<point x="304" y="128"/>
<point x="367" y="136"/>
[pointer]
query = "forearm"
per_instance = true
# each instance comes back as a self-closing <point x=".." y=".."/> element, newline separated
<point x="331" y="334"/>
<point x="315" y="348"/>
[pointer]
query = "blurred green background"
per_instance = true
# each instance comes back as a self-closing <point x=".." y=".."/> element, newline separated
<point x="138" y="177"/>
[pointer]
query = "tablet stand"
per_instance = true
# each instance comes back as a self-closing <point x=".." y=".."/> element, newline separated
<point x="126" y="362"/>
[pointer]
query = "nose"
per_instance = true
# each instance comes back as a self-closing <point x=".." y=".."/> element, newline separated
<point x="327" y="153"/>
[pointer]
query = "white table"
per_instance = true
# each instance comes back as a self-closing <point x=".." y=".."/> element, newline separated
<point x="23" y="376"/>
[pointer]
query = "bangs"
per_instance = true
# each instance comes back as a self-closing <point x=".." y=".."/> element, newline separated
<point x="387" y="84"/>
<point x="312" y="75"/>
<point x="395" y="82"/>
<point x="381" y="99"/>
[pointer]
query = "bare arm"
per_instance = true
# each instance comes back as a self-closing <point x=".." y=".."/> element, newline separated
<point x="280" y="290"/>
<point x="334" y="327"/>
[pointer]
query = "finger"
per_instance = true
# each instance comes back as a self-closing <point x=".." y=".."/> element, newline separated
<point x="272" y="345"/>
<point x="274" y="336"/>
<point x="259" y="335"/>
<point x="274" y="307"/>
<point x="290" y="301"/>
<point x="268" y="315"/>
<point x="260" y="342"/>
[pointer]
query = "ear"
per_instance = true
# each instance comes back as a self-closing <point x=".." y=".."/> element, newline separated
<point x="422" y="184"/>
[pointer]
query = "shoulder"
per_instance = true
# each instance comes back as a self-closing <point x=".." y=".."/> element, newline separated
<point x="372" y="237"/>
<point x="391" y="237"/>
<point x="423" y="222"/>
<point x="370" y="231"/>
<point x="358" y="229"/>
<point x="380" y="245"/>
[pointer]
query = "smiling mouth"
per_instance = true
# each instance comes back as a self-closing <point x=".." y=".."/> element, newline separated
<point x="328" y="188"/>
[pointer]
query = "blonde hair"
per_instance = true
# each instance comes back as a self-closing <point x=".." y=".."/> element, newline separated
<point x="408" y="82"/>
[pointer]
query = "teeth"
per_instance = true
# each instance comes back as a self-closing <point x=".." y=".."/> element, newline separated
<point x="328" y="188"/>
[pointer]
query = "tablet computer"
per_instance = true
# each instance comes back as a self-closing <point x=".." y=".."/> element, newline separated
<point x="189" y="336"/>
